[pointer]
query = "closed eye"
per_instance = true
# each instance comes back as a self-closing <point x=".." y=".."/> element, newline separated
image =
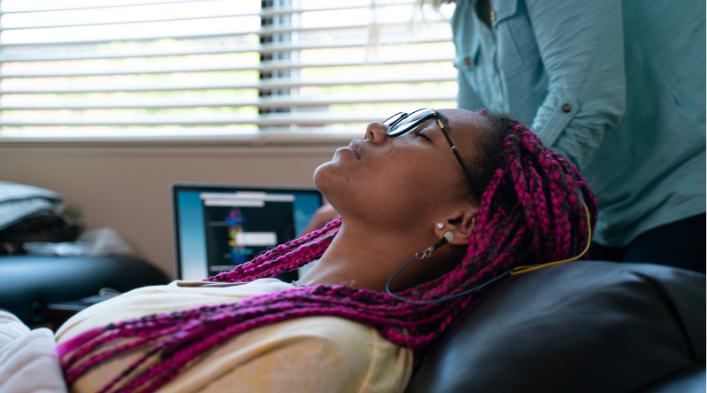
<point x="423" y="135"/>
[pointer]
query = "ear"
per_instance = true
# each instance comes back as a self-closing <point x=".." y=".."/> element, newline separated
<point x="460" y="222"/>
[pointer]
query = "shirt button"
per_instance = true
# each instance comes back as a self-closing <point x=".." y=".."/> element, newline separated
<point x="467" y="62"/>
<point x="493" y="16"/>
<point x="567" y="108"/>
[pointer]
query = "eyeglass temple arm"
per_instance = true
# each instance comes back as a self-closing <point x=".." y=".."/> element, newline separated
<point x="456" y="154"/>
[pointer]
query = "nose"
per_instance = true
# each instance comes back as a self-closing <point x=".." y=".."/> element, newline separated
<point x="376" y="132"/>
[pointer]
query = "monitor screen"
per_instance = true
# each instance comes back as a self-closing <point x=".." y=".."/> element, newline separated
<point x="219" y="227"/>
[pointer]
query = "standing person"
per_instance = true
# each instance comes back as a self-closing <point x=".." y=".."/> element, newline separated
<point x="618" y="88"/>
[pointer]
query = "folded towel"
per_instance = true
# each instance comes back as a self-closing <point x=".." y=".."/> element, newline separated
<point x="28" y="359"/>
<point x="19" y="201"/>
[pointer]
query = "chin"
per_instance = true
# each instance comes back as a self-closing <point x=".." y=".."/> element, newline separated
<point x="334" y="185"/>
<point x="325" y="179"/>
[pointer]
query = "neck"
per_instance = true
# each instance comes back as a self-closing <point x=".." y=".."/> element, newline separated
<point x="362" y="259"/>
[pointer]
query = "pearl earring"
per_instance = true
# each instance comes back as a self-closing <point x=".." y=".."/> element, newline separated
<point x="440" y="225"/>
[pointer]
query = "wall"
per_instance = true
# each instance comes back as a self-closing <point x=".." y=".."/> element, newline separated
<point x="126" y="186"/>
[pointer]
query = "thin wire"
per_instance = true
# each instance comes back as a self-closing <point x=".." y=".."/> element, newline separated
<point x="525" y="269"/>
<point x="387" y="288"/>
<point x="515" y="271"/>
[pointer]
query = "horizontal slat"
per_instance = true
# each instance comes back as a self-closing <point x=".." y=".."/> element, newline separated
<point x="265" y="13"/>
<point x="12" y="57"/>
<point x="268" y="31"/>
<point x="262" y="32"/>
<point x="295" y="135"/>
<point x="263" y="67"/>
<point x="100" y="6"/>
<point x="133" y="72"/>
<point x="273" y="102"/>
<point x="282" y="83"/>
<point x="279" y="119"/>
<point x="269" y="12"/>
<point x="124" y="22"/>
<point x="356" y="129"/>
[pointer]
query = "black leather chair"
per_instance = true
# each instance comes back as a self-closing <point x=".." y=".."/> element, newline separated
<point x="29" y="284"/>
<point x="579" y="327"/>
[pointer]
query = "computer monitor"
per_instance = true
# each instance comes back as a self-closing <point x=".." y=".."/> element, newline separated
<point x="217" y="227"/>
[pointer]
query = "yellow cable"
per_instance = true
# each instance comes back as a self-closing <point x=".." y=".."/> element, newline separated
<point x="526" y="269"/>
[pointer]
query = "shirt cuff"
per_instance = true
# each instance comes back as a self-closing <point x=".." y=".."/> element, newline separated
<point x="564" y="112"/>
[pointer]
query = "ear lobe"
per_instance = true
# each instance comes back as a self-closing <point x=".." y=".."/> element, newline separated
<point x="460" y="225"/>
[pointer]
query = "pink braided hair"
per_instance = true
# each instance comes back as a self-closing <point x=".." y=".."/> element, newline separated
<point x="532" y="211"/>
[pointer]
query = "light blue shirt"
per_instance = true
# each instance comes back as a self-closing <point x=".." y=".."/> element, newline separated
<point x="617" y="87"/>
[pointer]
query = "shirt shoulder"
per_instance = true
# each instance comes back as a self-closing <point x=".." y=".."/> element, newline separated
<point x="159" y="299"/>
<point x="311" y="354"/>
<point x="308" y="354"/>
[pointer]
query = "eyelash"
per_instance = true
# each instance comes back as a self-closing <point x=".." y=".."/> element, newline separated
<point x="422" y="135"/>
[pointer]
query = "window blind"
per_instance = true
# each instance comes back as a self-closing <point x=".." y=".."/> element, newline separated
<point x="226" y="66"/>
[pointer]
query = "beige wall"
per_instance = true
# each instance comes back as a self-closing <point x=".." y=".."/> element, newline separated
<point x="126" y="186"/>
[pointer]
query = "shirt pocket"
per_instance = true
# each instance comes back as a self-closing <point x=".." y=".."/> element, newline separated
<point x="467" y="59"/>
<point x="517" y="48"/>
<point x="467" y="62"/>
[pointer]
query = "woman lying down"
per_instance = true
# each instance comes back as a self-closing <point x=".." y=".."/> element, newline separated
<point x="358" y="321"/>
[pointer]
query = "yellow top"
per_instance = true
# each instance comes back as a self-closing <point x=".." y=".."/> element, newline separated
<point x="312" y="354"/>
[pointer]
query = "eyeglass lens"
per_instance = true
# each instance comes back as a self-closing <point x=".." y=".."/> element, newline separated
<point x="393" y="119"/>
<point x="404" y="123"/>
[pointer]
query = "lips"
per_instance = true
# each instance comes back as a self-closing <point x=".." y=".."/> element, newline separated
<point x="354" y="146"/>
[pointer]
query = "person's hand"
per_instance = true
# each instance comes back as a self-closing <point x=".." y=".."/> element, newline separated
<point x="321" y="217"/>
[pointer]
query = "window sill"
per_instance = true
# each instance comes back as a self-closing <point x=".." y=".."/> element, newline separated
<point x="185" y="138"/>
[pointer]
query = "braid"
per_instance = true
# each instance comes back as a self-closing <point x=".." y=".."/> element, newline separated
<point x="283" y="258"/>
<point x="532" y="211"/>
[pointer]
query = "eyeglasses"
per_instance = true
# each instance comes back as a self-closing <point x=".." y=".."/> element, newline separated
<point x="402" y="123"/>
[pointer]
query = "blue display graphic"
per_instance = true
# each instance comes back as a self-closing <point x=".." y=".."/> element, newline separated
<point x="235" y="227"/>
<point x="241" y="225"/>
<point x="217" y="238"/>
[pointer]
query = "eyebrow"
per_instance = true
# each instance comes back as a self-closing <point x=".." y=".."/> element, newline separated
<point x="445" y="122"/>
<point x="444" y="119"/>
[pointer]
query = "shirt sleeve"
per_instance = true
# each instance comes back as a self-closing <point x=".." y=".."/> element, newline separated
<point x="466" y="97"/>
<point x="582" y="49"/>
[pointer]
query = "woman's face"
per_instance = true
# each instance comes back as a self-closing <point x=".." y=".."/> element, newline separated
<point x="395" y="182"/>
